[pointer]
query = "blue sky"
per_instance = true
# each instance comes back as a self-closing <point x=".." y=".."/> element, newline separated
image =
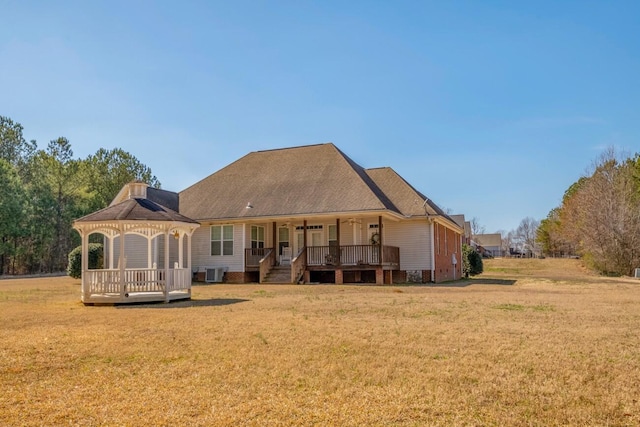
<point x="490" y="108"/>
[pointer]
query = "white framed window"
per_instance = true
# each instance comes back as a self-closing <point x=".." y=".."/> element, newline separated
<point x="283" y="238"/>
<point x="333" y="235"/>
<point x="446" y="242"/>
<point x="221" y="240"/>
<point x="257" y="236"/>
<point x="374" y="234"/>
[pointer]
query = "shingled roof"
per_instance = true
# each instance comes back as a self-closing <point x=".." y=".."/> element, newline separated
<point x="136" y="210"/>
<point x="407" y="199"/>
<point x="314" y="179"/>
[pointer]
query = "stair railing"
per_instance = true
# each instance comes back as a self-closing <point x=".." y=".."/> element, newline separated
<point x="266" y="263"/>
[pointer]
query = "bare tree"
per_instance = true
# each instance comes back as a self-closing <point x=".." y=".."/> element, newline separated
<point x="506" y="241"/>
<point x="476" y="228"/>
<point x="526" y="234"/>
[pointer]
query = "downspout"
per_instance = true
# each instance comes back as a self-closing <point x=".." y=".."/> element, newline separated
<point x="432" y="239"/>
<point x="433" y="250"/>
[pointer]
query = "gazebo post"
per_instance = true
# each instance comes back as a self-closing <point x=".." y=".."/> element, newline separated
<point x="181" y="251"/>
<point x="84" y="263"/>
<point x="110" y="240"/>
<point x="149" y="251"/>
<point x="189" y="270"/>
<point x="122" y="262"/>
<point x="166" y="265"/>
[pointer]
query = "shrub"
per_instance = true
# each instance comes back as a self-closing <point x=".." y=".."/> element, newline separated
<point x="96" y="259"/>
<point x="471" y="261"/>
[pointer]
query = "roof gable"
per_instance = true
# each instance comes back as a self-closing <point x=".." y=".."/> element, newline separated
<point x="312" y="179"/>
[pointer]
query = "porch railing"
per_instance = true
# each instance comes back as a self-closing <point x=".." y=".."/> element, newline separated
<point x="353" y="255"/>
<point x="298" y="265"/>
<point x="326" y="255"/>
<point x="266" y="263"/>
<point x="252" y="256"/>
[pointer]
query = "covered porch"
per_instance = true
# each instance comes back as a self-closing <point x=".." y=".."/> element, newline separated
<point x="307" y="257"/>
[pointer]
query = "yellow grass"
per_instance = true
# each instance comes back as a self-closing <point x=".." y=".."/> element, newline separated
<point x="531" y="342"/>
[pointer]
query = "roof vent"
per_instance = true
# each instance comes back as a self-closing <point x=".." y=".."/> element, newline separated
<point x="138" y="190"/>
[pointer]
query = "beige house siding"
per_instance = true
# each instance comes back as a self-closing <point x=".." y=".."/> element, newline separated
<point x="413" y="239"/>
<point x="137" y="251"/>
<point x="201" y="247"/>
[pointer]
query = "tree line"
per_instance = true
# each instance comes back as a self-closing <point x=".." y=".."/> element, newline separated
<point x="43" y="190"/>
<point x="599" y="217"/>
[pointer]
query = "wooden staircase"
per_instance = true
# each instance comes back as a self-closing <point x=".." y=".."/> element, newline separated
<point x="279" y="274"/>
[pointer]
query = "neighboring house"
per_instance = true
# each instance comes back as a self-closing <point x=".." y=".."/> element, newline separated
<point x="305" y="214"/>
<point x="489" y="245"/>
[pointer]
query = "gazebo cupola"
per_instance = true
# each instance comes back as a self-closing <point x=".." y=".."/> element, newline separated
<point x="147" y="249"/>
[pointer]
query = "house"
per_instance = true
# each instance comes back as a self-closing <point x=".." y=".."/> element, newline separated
<point x="489" y="245"/>
<point x="294" y="215"/>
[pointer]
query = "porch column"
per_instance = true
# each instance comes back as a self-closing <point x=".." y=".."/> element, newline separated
<point x="381" y="241"/>
<point x="338" y="261"/>
<point x="274" y="243"/>
<point x="167" y="235"/>
<point x="304" y="233"/>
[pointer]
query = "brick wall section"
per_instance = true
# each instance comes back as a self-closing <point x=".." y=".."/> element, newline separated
<point x="447" y="244"/>
<point x="235" y="277"/>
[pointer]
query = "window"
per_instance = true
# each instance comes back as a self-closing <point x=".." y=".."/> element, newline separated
<point x="283" y="238"/>
<point x="446" y="243"/>
<point x="309" y="227"/>
<point x="374" y="234"/>
<point x="333" y="235"/>
<point x="221" y="240"/>
<point x="257" y="237"/>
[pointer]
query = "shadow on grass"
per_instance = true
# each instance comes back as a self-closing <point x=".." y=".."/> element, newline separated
<point x="469" y="282"/>
<point x="213" y="302"/>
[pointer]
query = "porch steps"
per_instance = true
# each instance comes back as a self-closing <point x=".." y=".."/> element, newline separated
<point x="279" y="274"/>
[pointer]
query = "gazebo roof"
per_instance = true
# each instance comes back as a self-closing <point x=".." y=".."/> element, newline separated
<point x="136" y="210"/>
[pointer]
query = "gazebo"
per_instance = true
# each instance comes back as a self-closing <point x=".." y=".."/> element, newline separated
<point x="144" y="251"/>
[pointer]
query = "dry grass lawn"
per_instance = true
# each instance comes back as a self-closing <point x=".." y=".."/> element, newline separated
<point x="530" y="342"/>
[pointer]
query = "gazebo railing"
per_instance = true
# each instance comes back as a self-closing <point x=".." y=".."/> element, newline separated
<point x="137" y="280"/>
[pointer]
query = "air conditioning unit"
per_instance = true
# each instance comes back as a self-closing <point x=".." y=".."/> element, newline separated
<point x="637" y="273"/>
<point x="214" y="274"/>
